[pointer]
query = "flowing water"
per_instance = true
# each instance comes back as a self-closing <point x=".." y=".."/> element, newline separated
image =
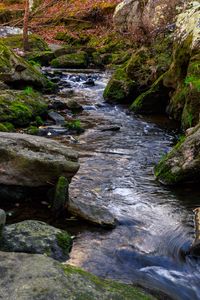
<point x="154" y="223"/>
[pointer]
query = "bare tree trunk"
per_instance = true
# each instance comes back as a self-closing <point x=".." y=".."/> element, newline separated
<point x="25" y="26"/>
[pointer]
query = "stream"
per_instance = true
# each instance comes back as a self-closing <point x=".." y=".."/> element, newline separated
<point x="154" y="223"/>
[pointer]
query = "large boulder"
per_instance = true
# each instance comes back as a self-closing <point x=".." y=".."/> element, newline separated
<point x="145" y="18"/>
<point x="36" y="237"/>
<point x="15" y="71"/>
<point x="183" y="74"/>
<point x="33" y="161"/>
<point x="34" y="276"/>
<point x="182" y="164"/>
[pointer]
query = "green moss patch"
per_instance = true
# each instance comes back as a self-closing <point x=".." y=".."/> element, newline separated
<point x="74" y="60"/>
<point x="20" y="108"/>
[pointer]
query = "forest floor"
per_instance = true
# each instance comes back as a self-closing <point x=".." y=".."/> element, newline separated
<point x="90" y="17"/>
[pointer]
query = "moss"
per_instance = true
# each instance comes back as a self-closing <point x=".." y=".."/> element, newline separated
<point x="71" y="39"/>
<point x="61" y="194"/>
<point x="179" y="66"/>
<point x="164" y="172"/>
<point x="74" y="60"/>
<point x="20" y="108"/>
<point x="120" y="87"/>
<point x="113" y="290"/>
<point x="74" y="125"/>
<point x="32" y="130"/>
<point x="9" y="126"/>
<point x="41" y="58"/>
<point x="153" y="100"/>
<point x="64" y="241"/>
<point x="3" y="128"/>
<point x="36" y="43"/>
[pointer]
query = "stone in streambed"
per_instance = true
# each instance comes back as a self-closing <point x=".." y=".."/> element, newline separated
<point x="57" y="118"/>
<point x="32" y="161"/>
<point x="36" y="237"/>
<point x="91" y="212"/>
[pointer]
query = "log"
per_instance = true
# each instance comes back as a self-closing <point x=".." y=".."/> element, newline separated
<point x="195" y="248"/>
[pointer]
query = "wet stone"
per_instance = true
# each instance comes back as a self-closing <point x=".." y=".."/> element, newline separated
<point x="57" y="118"/>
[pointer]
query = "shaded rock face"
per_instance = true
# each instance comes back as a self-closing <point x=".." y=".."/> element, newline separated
<point x="15" y="71"/>
<point x="32" y="161"/>
<point x="36" y="237"/>
<point x="38" y="277"/>
<point x="182" y="164"/>
<point x="2" y="220"/>
<point x="147" y="17"/>
<point x="183" y="75"/>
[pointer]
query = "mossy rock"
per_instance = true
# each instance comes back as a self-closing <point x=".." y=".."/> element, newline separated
<point x="36" y="43"/>
<point x="20" y="108"/>
<point x="74" y="60"/>
<point x="16" y="72"/>
<point x="120" y="88"/>
<point x="42" y="58"/>
<point x="36" y="237"/>
<point x="182" y="163"/>
<point x="44" y="278"/>
<point x="152" y="101"/>
<point x="73" y="40"/>
<point x="184" y="105"/>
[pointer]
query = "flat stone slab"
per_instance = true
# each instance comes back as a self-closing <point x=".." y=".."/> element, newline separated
<point x="37" y="277"/>
<point x="34" y="161"/>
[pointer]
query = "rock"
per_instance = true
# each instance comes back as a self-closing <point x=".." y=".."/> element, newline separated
<point x="57" y="104"/>
<point x="91" y="212"/>
<point x="2" y="221"/>
<point x="35" y="276"/>
<point x="182" y="164"/>
<point x="73" y="105"/>
<point x="74" y="60"/>
<point x="109" y="128"/>
<point x="195" y="247"/>
<point x="61" y="196"/>
<point x="128" y="16"/>
<point x="57" y="118"/>
<point x="145" y="19"/>
<point x="89" y="82"/>
<point x="3" y="86"/>
<point x="21" y="107"/>
<point x="152" y="101"/>
<point x="43" y="57"/>
<point x="38" y="238"/>
<point x="15" y="71"/>
<point x="32" y="161"/>
<point x="139" y="73"/>
<point x="15" y="41"/>
<point x="183" y="74"/>
<point x="120" y="87"/>
<point x="54" y="130"/>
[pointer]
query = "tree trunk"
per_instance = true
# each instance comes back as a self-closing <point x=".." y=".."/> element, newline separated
<point x="25" y="26"/>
